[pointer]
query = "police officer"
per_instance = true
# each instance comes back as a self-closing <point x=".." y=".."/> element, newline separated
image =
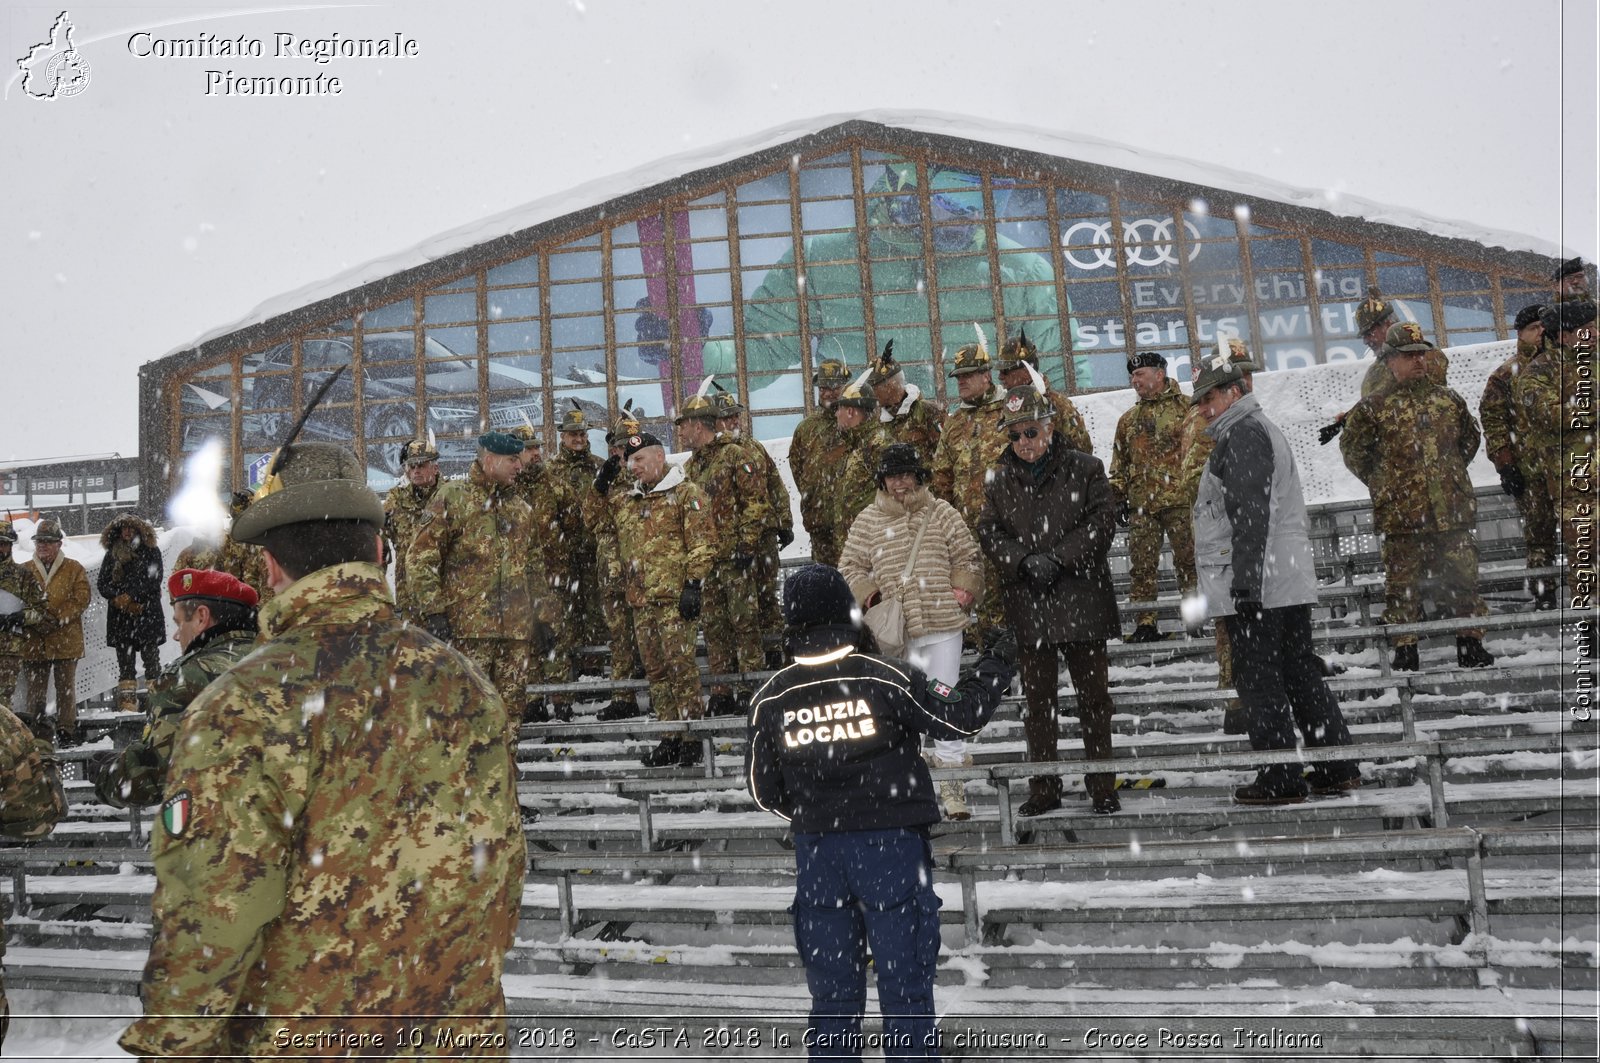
<point x="833" y="747"/>
<point x="340" y="835"/>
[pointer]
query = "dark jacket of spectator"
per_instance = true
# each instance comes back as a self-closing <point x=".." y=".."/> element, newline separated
<point x="130" y="581"/>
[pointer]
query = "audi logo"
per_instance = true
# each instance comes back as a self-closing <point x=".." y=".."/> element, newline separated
<point x="1156" y="249"/>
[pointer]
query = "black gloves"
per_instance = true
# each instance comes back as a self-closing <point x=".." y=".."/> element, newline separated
<point x="1247" y="609"/>
<point x="742" y="561"/>
<point x="997" y="664"/>
<point x="1003" y="648"/>
<point x="1512" y="482"/>
<point x="438" y="625"/>
<point x="11" y="622"/>
<point x="785" y="537"/>
<point x="1326" y="433"/>
<point x="689" y="601"/>
<point x="607" y="474"/>
<point x="1124" y="513"/>
<point x="1041" y="571"/>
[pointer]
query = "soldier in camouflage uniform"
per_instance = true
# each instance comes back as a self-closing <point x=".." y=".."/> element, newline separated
<point x="216" y="626"/>
<point x="1571" y="281"/>
<point x="32" y="802"/>
<point x="1146" y="485"/>
<point x="780" y="526"/>
<point x="1410" y="444"/>
<point x="1554" y="399"/>
<point x="969" y="447"/>
<point x="340" y="847"/>
<point x="856" y="486"/>
<point x="902" y="411"/>
<point x="664" y="555"/>
<point x="1503" y="443"/>
<point x="736" y="492"/>
<point x="552" y="501"/>
<point x="23" y="608"/>
<point x="472" y="570"/>
<point x="1375" y="317"/>
<point x="403" y="508"/>
<point x="574" y="463"/>
<point x="1016" y="355"/>
<point x="240" y="560"/>
<point x="613" y="481"/>
<point x="816" y="453"/>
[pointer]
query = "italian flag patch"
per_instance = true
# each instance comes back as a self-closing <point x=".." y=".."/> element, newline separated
<point x="175" y="814"/>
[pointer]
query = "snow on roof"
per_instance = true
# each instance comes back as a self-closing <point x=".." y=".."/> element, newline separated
<point x="1091" y="150"/>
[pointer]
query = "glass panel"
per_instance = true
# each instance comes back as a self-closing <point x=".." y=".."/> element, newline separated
<point x="766" y="251"/>
<point x="1418" y="310"/>
<point x="627" y="261"/>
<point x="395" y="315"/>
<point x="388" y="347"/>
<point x="513" y="336"/>
<point x="962" y="271"/>
<point x="1337" y="284"/>
<point x="1032" y="233"/>
<point x="764" y="219"/>
<point x="522" y="271"/>
<point x="576" y="298"/>
<point x="1275" y="254"/>
<point x="706" y="255"/>
<point x="1452" y="279"/>
<point x="1087" y="247"/>
<point x="1468" y="313"/>
<point x="585" y="331"/>
<point x="449" y="342"/>
<point x="1103" y="296"/>
<point x="467" y="283"/>
<point x="577" y="366"/>
<point x="1102" y="370"/>
<point x="1158" y="330"/>
<point x="706" y="288"/>
<point x="1332" y="253"/>
<point x="516" y="371"/>
<point x="1403" y="280"/>
<point x="775" y="426"/>
<point x="1514" y="301"/>
<point x="388" y="426"/>
<point x="1293" y="355"/>
<point x="900" y="309"/>
<point x="1461" y="339"/>
<point x="198" y="429"/>
<point x="776" y="392"/>
<point x="1202" y="226"/>
<point x="713" y="199"/>
<point x="705" y="223"/>
<point x="443" y="309"/>
<point x="1214" y="256"/>
<point x="828" y="214"/>
<point x="335" y="424"/>
<point x="208" y="391"/>
<point x="514" y="302"/>
<point x="1389" y="256"/>
<point x="1032" y="301"/>
<point x="625" y="234"/>
<point x="774" y="186"/>
<point x="1132" y="209"/>
<point x="575" y="265"/>
<point x="1071" y="202"/>
<point x="833" y="181"/>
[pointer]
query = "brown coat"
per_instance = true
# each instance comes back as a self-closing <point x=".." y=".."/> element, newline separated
<point x="66" y="587"/>
<point x="1066" y="513"/>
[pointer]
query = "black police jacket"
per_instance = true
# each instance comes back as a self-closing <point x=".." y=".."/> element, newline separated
<point x="833" y="738"/>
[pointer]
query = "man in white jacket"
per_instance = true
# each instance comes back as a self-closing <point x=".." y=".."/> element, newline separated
<point x="1255" y="567"/>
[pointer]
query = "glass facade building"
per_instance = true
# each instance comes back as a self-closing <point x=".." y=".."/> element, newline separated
<point x="831" y="245"/>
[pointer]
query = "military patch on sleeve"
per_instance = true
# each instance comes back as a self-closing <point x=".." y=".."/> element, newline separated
<point x="426" y="518"/>
<point x="175" y="814"/>
<point x="942" y="691"/>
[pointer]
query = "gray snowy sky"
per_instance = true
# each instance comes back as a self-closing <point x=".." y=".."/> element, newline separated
<point x="143" y="212"/>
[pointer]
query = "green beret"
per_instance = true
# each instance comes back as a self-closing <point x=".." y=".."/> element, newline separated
<point x="500" y="443"/>
<point x="310" y="481"/>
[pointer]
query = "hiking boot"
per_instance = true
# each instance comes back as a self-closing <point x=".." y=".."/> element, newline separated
<point x="562" y="711"/>
<point x="67" y="737"/>
<point x="535" y="712"/>
<point x="619" y="709"/>
<point x="1145" y="633"/>
<point x="1471" y="654"/>
<point x="662" y="755"/>
<point x="1039" y="805"/>
<point x="1256" y="794"/>
<point x="722" y="705"/>
<point x="1104" y="804"/>
<point x="1544" y="595"/>
<point x="1327" y="783"/>
<point x="127" y="695"/>
<point x="1405" y="659"/>
<point x="952" y="792"/>
<point x="1328" y="668"/>
<point x="690" y="753"/>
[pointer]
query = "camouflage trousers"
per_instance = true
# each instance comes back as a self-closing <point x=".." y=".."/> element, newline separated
<point x="825" y="547"/>
<point x="666" y="646"/>
<point x="582" y="624"/>
<point x="1439" y="565"/>
<point x="730" y="614"/>
<point x="504" y="662"/>
<point x="625" y="662"/>
<point x="1145" y="532"/>
<point x="10" y="672"/>
<point x="1539" y="520"/>
<point x="768" y="570"/>
<point x="65" y="672"/>
<point x="1224" y="655"/>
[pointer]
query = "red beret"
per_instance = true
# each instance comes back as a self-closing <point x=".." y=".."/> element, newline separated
<point x="209" y="583"/>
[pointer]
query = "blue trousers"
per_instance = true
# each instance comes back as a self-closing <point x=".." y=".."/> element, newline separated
<point x="855" y="888"/>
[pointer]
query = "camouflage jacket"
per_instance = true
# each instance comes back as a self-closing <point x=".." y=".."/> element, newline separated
<point x="1497" y="410"/>
<point x="1410" y="444"/>
<point x="1378" y="375"/>
<point x="32" y="801"/>
<point x="972" y="442"/>
<point x="135" y="777"/>
<point x="1145" y="457"/>
<point x="341" y="836"/>
<point x="403" y="508"/>
<point x="1194" y="446"/>
<point x="599" y="514"/>
<point x="1069" y="422"/>
<point x="856" y="487"/>
<point x="1555" y="400"/>
<point x="917" y="421"/>
<point x="736" y="491"/>
<point x="816" y="454"/>
<point x="663" y="538"/>
<point x="471" y="560"/>
<point x="551" y="499"/>
<point x="779" y="514"/>
<point x="19" y="583"/>
<point x="577" y="471"/>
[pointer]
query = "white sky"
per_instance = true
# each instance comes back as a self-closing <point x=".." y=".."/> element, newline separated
<point x="142" y="213"/>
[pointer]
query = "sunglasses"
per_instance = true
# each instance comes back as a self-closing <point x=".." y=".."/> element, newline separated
<point x="1027" y="433"/>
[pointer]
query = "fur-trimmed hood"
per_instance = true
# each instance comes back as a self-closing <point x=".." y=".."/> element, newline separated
<point x="140" y="527"/>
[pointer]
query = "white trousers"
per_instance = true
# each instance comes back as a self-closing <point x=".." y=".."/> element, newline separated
<point x="939" y="655"/>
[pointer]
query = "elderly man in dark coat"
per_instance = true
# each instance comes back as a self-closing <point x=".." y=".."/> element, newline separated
<point x="1047" y="524"/>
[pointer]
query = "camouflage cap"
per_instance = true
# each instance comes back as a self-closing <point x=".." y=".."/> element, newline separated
<point x="8" y="534"/>
<point x="418" y="452"/>
<point x="696" y="407"/>
<point x="1406" y="336"/>
<point x="1218" y="371"/>
<point x="624" y="426"/>
<point x="858" y="395"/>
<point x="310" y="481"/>
<point x="238" y="502"/>
<point x="48" y="531"/>
<point x="885" y="368"/>
<point x="1026" y="404"/>
<point x="1372" y="311"/>
<point x="970" y="359"/>
<point x="574" y="419"/>
<point x="727" y="404"/>
<point x="1017" y="351"/>
<point x="831" y="373"/>
<point x="525" y="433"/>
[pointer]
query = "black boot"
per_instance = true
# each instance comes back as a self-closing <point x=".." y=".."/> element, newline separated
<point x="1405" y="659"/>
<point x="1235" y="720"/>
<point x="1471" y="654"/>
<point x="722" y="705"/>
<point x="1145" y="633"/>
<point x="1328" y="668"/>
<point x="662" y="755"/>
<point x="690" y="752"/>
<point x="619" y="709"/>
<point x="774" y="658"/>
<point x="1544" y="595"/>
<point x="535" y="712"/>
<point x="562" y="710"/>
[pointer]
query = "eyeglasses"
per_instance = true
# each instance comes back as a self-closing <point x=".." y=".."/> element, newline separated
<point x="1026" y="433"/>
